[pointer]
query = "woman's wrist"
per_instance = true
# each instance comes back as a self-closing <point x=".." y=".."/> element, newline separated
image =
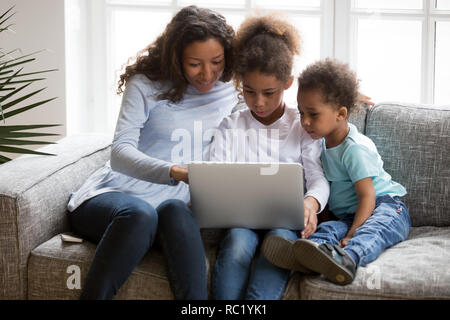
<point x="179" y="173"/>
<point x="172" y="172"/>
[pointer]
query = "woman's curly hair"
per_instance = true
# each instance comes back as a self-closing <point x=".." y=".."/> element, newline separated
<point x="162" y="60"/>
<point x="337" y="84"/>
<point x="265" y="43"/>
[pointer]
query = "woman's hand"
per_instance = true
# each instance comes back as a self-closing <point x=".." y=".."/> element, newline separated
<point x="311" y="206"/>
<point x="179" y="173"/>
<point x="365" y="99"/>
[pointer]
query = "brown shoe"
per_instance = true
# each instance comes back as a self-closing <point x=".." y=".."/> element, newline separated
<point x="279" y="251"/>
<point x="331" y="261"/>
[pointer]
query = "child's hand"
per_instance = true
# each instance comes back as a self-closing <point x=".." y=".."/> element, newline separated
<point x="365" y="99"/>
<point x="366" y="203"/>
<point x="344" y="241"/>
<point x="310" y="213"/>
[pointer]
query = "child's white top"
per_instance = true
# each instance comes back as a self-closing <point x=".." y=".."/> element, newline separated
<point x="242" y="138"/>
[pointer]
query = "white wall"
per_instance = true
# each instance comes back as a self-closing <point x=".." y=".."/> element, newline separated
<point x="86" y="79"/>
<point x="39" y="24"/>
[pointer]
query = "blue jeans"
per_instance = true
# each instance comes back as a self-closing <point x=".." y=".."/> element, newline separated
<point x="388" y="225"/>
<point x="233" y="278"/>
<point x="124" y="227"/>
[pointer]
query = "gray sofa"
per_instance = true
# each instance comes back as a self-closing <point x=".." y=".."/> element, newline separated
<point x="413" y="140"/>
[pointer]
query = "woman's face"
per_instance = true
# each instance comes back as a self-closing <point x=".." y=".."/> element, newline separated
<point x="203" y="63"/>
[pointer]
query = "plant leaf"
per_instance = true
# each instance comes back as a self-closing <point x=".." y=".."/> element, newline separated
<point x="4" y="159"/>
<point x="6" y="72"/>
<point x="34" y="105"/>
<point x="22" y="151"/>
<point x="8" y="53"/>
<point x="17" y="142"/>
<point x="6" y="19"/>
<point x="9" y="80"/>
<point x="1" y="113"/>
<point x="4" y="65"/>
<point x="27" y="74"/>
<point x="14" y="102"/>
<point x="26" y="81"/>
<point x="25" y="127"/>
<point x="8" y="26"/>
<point x="4" y="98"/>
<point x="21" y="57"/>
<point x="7" y="11"/>
<point x="25" y="134"/>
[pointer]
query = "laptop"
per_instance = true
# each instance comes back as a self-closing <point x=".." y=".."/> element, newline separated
<point x="247" y="195"/>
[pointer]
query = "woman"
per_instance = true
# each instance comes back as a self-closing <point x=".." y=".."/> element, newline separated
<point x="176" y="86"/>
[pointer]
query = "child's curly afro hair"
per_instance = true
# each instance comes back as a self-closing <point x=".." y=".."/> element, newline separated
<point x="335" y="81"/>
<point x="265" y="43"/>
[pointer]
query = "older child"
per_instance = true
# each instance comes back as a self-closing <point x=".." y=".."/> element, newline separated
<point x="264" y="49"/>
<point x="371" y="215"/>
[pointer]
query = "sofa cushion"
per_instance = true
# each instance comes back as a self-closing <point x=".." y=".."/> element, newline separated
<point x="414" y="269"/>
<point x="414" y="143"/>
<point x="54" y="264"/>
<point x="34" y="191"/>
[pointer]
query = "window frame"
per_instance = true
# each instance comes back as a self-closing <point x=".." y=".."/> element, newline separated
<point x="325" y="12"/>
<point x="346" y="23"/>
<point x="338" y="40"/>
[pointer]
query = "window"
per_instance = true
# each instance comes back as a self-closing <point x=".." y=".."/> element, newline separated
<point x="442" y="64"/>
<point x="388" y="58"/>
<point x="443" y="4"/>
<point x="399" y="48"/>
<point x="389" y="4"/>
<point x="147" y="21"/>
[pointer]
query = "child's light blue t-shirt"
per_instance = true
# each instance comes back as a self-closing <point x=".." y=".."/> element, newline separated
<point x="354" y="159"/>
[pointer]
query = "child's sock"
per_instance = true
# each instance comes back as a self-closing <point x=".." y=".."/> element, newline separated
<point x="352" y="255"/>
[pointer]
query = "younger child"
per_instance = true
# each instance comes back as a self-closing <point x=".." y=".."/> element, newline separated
<point x="371" y="215"/>
<point x="268" y="131"/>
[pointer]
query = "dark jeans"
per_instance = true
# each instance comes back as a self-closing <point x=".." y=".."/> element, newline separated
<point x="124" y="227"/>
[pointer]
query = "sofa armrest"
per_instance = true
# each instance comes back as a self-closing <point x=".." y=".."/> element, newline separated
<point x="34" y="191"/>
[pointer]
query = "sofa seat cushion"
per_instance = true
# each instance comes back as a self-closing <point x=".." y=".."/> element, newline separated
<point x="53" y="265"/>
<point x="417" y="268"/>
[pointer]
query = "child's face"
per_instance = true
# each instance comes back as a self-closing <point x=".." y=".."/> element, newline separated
<point x="263" y="94"/>
<point x="203" y="63"/>
<point x="319" y="119"/>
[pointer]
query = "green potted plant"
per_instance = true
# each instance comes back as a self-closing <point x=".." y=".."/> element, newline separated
<point x="13" y="101"/>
